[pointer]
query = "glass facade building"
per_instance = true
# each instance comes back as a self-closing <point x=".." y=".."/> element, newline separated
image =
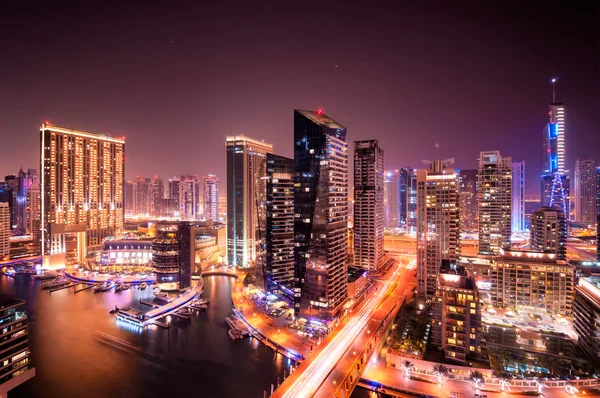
<point x="173" y="255"/>
<point x="321" y="214"/>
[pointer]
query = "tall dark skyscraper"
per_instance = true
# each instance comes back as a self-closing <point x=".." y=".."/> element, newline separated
<point x="597" y="191"/>
<point x="156" y="196"/>
<point x="211" y="197"/>
<point x="173" y="255"/>
<point x="584" y="197"/>
<point x="368" y="205"/>
<point x="141" y="193"/>
<point x="518" y="197"/>
<point x="391" y="198"/>
<point x="407" y="198"/>
<point x="321" y="209"/>
<point x="279" y="242"/>
<point x="467" y="191"/>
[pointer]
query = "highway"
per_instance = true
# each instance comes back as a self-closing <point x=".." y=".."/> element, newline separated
<point x="314" y="376"/>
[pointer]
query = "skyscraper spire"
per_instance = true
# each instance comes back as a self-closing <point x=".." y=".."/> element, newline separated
<point x="554" y="79"/>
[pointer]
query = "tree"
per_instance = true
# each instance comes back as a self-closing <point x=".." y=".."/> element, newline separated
<point x="504" y="382"/>
<point x="476" y="377"/>
<point x="441" y="372"/>
<point x="407" y="366"/>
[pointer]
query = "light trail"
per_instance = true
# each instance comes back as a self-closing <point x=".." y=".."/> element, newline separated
<point x="318" y="370"/>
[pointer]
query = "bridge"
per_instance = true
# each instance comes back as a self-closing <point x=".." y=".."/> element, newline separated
<point x="336" y="366"/>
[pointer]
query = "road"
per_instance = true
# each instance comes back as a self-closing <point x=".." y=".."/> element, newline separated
<point x="329" y="364"/>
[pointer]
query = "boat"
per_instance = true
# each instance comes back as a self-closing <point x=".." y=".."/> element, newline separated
<point x="126" y="286"/>
<point x="203" y="301"/>
<point x="143" y="285"/>
<point x="119" y="287"/>
<point x="58" y="282"/>
<point x="203" y="306"/>
<point x="103" y="287"/>
<point x="236" y="323"/>
<point x="46" y="275"/>
<point x="164" y="297"/>
<point x="235" y="334"/>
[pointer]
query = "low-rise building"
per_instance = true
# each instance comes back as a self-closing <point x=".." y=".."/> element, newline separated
<point x="531" y="280"/>
<point x="15" y="357"/>
<point x="456" y="313"/>
<point x="127" y="251"/>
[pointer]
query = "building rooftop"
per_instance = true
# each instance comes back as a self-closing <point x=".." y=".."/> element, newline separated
<point x="454" y="275"/>
<point x="320" y="118"/>
<point x="65" y="130"/>
<point x="354" y="273"/>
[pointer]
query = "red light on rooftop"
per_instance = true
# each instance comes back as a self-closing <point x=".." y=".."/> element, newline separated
<point x="320" y="111"/>
<point x="47" y="122"/>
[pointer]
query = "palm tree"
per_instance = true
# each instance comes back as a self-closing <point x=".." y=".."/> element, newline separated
<point x="540" y="384"/>
<point x="476" y="377"/>
<point x="408" y="366"/>
<point x="441" y="372"/>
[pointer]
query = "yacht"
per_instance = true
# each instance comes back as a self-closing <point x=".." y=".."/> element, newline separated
<point x="55" y="283"/>
<point x="143" y="285"/>
<point x="46" y="275"/>
<point x="164" y="297"/>
<point x="103" y="287"/>
<point x="235" y="334"/>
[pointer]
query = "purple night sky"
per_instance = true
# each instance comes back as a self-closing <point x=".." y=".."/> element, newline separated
<point x="176" y="79"/>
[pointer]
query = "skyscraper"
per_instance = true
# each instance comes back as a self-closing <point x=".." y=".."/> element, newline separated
<point x="211" y="197"/>
<point x="549" y="231"/>
<point x="518" y="197"/>
<point x="391" y="197"/>
<point x="585" y="191"/>
<point x="156" y="196"/>
<point x="173" y="192"/>
<point x="555" y="183"/>
<point x="368" y="205"/>
<point x="34" y="214"/>
<point x="597" y="190"/>
<point x="321" y="209"/>
<point x="467" y="191"/>
<point x="279" y="242"/>
<point x="494" y="197"/>
<point x="22" y="183"/>
<point x="141" y="193"/>
<point x="128" y="198"/>
<point x="81" y="190"/>
<point x="246" y="198"/>
<point x="407" y="199"/>
<point x="189" y="197"/>
<point x="438" y="222"/>
<point x="4" y="230"/>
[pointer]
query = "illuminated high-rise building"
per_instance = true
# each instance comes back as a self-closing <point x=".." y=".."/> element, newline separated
<point x="555" y="183"/>
<point x="368" y="205"/>
<point x="494" y="200"/>
<point x="173" y="258"/>
<point x="4" y="230"/>
<point x="597" y="190"/>
<point x="438" y="223"/>
<point x="467" y="191"/>
<point x="321" y="210"/>
<point x="549" y="231"/>
<point x="156" y="196"/>
<point x="21" y="184"/>
<point x="173" y="192"/>
<point x="82" y="191"/>
<point x="141" y="193"/>
<point x="246" y="198"/>
<point x="279" y="242"/>
<point x="211" y="197"/>
<point x="189" y="198"/>
<point x="518" y="197"/>
<point x="391" y="198"/>
<point x="585" y="191"/>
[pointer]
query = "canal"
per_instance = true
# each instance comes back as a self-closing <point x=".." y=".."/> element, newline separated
<point x="79" y="350"/>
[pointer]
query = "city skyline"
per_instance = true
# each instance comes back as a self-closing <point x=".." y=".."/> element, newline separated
<point x="437" y="103"/>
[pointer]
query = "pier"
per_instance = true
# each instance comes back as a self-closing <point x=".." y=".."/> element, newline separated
<point x="84" y="288"/>
<point x="55" y="289"/>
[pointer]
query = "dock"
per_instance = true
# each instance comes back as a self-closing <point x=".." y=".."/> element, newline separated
<point x="85" y="288"/>
<point x="55" y="289"/>
<point x="149" y="304"/>
<point x="180" y="315"/>
<point x="161" y="324"/>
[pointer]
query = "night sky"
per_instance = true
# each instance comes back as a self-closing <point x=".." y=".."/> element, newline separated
<point x="176" y="79"/>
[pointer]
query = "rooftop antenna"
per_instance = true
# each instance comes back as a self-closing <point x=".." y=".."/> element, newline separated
<point x="554" y="79"/>
<point x="437" y="151"/>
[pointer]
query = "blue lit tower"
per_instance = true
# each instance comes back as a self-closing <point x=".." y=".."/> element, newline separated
<point x="555" y="180"/>
<point x="321" y="215"/>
